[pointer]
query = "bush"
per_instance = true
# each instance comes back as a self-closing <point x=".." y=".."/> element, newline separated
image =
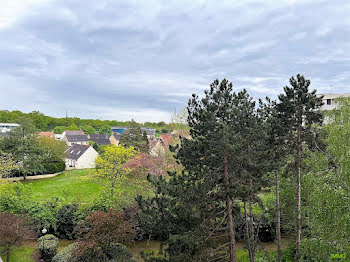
<point x="48" y="247"/>
<point x="87" y="252"/>
<point x="54" y="167"/>
<point x="66" y="254"/>
<point x="67" y="218"/>
<point x="43" y="215"/>
<point x="119" y="252"/>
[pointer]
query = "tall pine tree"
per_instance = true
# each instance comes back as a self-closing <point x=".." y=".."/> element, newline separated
<point x="299" y="111"/>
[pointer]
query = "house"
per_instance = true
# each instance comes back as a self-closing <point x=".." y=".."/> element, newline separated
<point x="166" y="139"/>
<point x="329" y="102"/>
<point x="150" y="132"/>
<point x="47" y="134"/>
<point x="76" y="139"/>
<point x="100" y="139"/>
<point x="58" y="137"/>
<point x="156" y="148"/>
<point x="80" y="157"/>
<point x="72" y="132"/>
<point x="114" y="139"/>
<point x="7" y="127"/>
<point x="118" y="129"/>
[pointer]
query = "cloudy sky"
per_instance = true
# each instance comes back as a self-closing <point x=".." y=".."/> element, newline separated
<point x="116" y="59"/>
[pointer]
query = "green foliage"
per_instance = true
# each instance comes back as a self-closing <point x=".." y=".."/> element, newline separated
<point x="326" y="191"/>
<point x="52" y="168"/>
<point x="105" y="130"/>
<point x="73" y="127"/>
<point x="67" y="218"/>
<point x="14" y="197"/>
<point x="135" y="138"/>
<point x="65" y="255"/>
<point x="48" y="247"/>
<point x="88" y="130"/>
<point x="43" y="214"/>
<point x="111" y="165"/>
<point x="46" y="123"/>
<point x="24" y="147"/>
<point x="59" y="129"/>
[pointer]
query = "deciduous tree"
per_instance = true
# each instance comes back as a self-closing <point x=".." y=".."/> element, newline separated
<point x="13" y="231"/>
<point x="110" y="166"/>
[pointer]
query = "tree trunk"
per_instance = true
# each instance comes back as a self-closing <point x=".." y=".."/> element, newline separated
<point x="247" y="231"/>
<point x="8" y="254"/>
<point x="252" y="233"/>
<point x="231" y="233"/>
<point x="298" y="222"/>
<point x="278" y="217"/>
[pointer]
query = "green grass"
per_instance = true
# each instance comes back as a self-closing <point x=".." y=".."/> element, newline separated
<point x="20" y="254"/>
<point x="72" y="186"/>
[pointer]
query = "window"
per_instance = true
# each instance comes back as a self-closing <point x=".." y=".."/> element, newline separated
<point x="329" y="101"/>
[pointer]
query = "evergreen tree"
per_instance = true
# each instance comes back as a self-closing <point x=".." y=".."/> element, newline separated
<point x="227" y="148"/>
<point x="277" y="153"/>
<point x="298" y="109"/>
<point x="134" y="137"/>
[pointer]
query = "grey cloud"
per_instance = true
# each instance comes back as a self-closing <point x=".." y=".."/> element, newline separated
<point x="146" y="57"/>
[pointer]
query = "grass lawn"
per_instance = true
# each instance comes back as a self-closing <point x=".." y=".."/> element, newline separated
<point x="74" y="187"/>
<point x="20" y="254"/>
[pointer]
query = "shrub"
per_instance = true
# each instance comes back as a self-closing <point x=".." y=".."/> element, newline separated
<point x="44" y="214"/>
<point x="48" y="247"/>
<point x="14" y="198"/>
<point x="67" y="218"/>
<point x="54" y="167"/>
<point x="66" y="254"/>
<point x="114" y="252"/>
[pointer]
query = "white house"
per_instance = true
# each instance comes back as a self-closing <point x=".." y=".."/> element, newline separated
<point x="6" y="127"/>
<point x="80" y="157"/>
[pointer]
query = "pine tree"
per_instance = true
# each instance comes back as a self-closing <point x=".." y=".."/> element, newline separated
<point x="277" y="156"/>
<point x="134" y="137"/>
<point x="224" y="148"/>
<point x="298" y="109"/>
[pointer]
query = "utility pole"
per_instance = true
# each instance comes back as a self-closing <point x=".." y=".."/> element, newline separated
<point x="66" y="118"/>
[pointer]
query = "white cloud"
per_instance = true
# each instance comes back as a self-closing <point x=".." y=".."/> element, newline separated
<point x="13" y="9"/>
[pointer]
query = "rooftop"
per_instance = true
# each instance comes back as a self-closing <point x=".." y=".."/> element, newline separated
<point x="76" y="151"/>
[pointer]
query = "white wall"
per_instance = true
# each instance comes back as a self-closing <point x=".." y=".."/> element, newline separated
<point x="87" y="160"/>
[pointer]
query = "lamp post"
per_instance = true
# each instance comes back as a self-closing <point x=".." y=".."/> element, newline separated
<point x="44" y="231"/>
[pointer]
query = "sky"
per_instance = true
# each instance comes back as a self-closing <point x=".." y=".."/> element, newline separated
<point x="122" y="60"/>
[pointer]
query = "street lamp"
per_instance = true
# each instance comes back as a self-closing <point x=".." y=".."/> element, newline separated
<point x="44" y="231"/>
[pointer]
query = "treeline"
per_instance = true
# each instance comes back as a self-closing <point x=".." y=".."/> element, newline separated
<point x="48" y="123"/>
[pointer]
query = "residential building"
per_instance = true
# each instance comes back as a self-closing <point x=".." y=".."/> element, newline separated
<point x="47" y="134"/>
<point x="76" y="139"/>
<point x="6" y="127"/>
<point x="166" y="139"/>
<point x="100" y="139"/>
<point x="149" y="131"/>
<point x="114" y="139"/>
<point x="156" y="148"/>
<point x="329" y="100"/>
<point x="72" y="132"/>
<point x="80" y="157"/>
<point x="118" y="129"/>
